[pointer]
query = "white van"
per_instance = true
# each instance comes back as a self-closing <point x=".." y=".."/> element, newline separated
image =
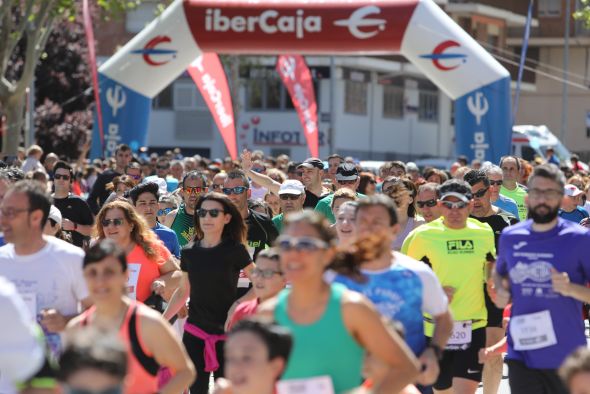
<point x="530" y="141"/>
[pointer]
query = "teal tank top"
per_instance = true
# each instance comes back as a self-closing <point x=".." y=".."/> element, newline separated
<point x="324" y="347"/>
<point x="184" y="226"/>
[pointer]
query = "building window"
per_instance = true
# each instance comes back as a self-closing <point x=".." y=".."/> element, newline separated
<point x="355" y="98"/>
<point x="428" y="106"/>
<point x="393" y="101"/>
<point x="549" y="8"/>
<point x="187" y="97"/>
<point x="164" y="100"/>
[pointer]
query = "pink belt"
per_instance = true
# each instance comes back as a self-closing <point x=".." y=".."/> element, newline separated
<point x="211" y="362"/>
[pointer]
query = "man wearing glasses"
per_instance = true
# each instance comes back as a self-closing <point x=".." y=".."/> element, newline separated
<point x="181" y="220"/>
<point x="543" y="265"/>
<point x="292" y="197"/>
<point x="261" y="232"/>
<point x="498" y="219"/>
<point x="77" y="216"/>
<point x="427" y="202"/>
<point x="347" y="176"/>
<point x="461" y="252"/>
<point x="496" y="177"/>
<point x="133" y="170"/>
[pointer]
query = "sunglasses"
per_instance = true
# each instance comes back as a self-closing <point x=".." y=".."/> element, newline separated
<point x="116" y="222"/>
<point x="258" y="170"/>
<point x="234" y="190"/>
<point x="162" y="167"/>
<point x="195" y="190"/>
<point x="136" y="177"/>
<point x="481" y="193"/>
<point x="112" y="390"/>
<point x="60" y="176"/>
<point x="346" y="182"/>
<point x="300" y="244"/>
<point x="212" y="212"/>
<point x="372" y="181"/>
<point x="291" y="197"/>
<point x="454" y="205"/>
<point x="165" y="211"/>
<point x="496" y="183"/>
<point x="266" y="274"/>
<point x="427" y="203"/>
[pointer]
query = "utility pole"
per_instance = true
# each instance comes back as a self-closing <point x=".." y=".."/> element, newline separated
<point x="566" y="61"/>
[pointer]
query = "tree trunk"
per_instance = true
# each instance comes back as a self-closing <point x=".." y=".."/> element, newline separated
<point x="15" y="119"/>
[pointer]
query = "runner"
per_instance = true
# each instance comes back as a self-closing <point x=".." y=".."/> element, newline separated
<point x="8" y="176"/>
<point x="256" y="355"/>
<point x="340" y="197"/>
<point x="292" y="196"/>
<point x="99" y="193"/>
<point x="401" y="288"/>
<point x="457" y="249"/>
<point x="510" y="166"/>
<point x="145" y="199"/>
<point x="332" y="327"/>
<point x="543" y="263"/>
<point x="498" y="219"/>
<point x="46" y="271"/>
<point x="347" y="176"/>
<point x="149" y="340"/>
<point x="77" y="218"/>
<point x="133" y="171"/>
<point x="210" y="271"/>
<point x="570" y="205"/>
<point x="496" y="177"/>
<point x="261" y="232"/>
<point x="334" y="161"/>
<point x="575" y="371"/>
<point x="218" y="181"/>
<point x="403" y="193"/>
<point x="151" y="266"/>
<point x="267" y="279"/>
<point x="345" y="231"/>
<point x="181" y="220"/>
<point x="427" y="202"/>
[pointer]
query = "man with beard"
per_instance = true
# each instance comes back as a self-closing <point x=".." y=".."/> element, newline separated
<point x="181" y="220"/>
<point x="544" y="266"/>
<point x="485" y="212"/>
<point x="99" y="193"/>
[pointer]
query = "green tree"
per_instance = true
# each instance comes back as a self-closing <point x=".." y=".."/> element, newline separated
<point x="583" y="13"/>
<point x="25" y="27"/>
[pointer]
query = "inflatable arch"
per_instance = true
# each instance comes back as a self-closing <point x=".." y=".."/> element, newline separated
<point x="417" y="29"/>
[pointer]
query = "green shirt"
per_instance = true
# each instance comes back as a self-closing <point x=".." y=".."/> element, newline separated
<point x="517" y="195"/>
<point x="278" y="222"/>
<point x="325" y="206"/>
<point x="458" y="258"/>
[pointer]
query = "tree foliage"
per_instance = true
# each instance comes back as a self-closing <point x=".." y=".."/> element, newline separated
<point x="583" y="13"/>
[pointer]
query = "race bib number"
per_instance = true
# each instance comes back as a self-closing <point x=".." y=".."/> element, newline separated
<point x="461" y="337"/>
<point x="243" y="280"/>
<point x="133" y="270"/>
<point x="532" y="331"/>
<point x="317" y="385"/>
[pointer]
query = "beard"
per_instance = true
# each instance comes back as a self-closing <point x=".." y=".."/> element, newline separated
<point x="543" y="217"/>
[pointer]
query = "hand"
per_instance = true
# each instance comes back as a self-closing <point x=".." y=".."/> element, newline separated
<point x="67" y="225"/>
<point x="430" y="367"/>
<point x="182" y="312"/>
<point x="53" y="321"/>
<point x="246" y="157"/>
<point x="230" y="313"/>
<point x="449" y="291"/>
<point x="502" y="294"/>
<point x="159" y="287"/>
<point x="585" y="222"/>
<point x="491" y="287"/>
<point x="484" y="355"/>
<point x="222" y="386"/>
<point x="561" y="282"/>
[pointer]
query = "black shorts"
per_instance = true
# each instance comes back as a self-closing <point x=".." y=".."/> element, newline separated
<point x="462" y="363"/>
<point x="525" y="380"/>
<point x="494" y="313"/>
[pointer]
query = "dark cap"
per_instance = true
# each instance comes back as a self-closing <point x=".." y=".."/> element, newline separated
<point x="312" y="162"/>
<point x="347" y="172"/>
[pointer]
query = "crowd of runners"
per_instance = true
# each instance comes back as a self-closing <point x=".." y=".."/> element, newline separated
<point x="152" y="274"/>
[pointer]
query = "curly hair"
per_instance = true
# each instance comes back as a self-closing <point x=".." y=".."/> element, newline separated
<point x="141" y="233"/>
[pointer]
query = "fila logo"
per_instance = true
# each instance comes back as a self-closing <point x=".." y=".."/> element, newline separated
<point x="460" y="246"/>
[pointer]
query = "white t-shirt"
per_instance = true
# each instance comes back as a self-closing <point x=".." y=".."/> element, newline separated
<point x="258" y="192"/>
<point x="50" y="278"/>
<point x="21" y="351"/>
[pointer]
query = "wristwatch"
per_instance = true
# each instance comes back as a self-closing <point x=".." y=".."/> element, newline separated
<point x="438" y="352"/>
<point x="75" y="226"/>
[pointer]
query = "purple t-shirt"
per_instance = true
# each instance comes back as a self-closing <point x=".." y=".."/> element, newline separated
<point x="527" y="257"/>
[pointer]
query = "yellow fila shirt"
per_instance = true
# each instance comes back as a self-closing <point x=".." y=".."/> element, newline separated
<point x="458" y="258"/>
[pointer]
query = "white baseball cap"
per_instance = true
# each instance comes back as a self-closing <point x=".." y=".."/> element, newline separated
<point x="572" y="190"/>
<point x="291" y="186"/>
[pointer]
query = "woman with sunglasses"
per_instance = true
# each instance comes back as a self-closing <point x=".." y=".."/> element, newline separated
<point x="211" y="267"/>
<point x="403" y="193"/>
<point x="332" y="327"/>
<point x="152" y="268"/>
<point x="148" y="339"/>
<point x="367" y="184"/>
